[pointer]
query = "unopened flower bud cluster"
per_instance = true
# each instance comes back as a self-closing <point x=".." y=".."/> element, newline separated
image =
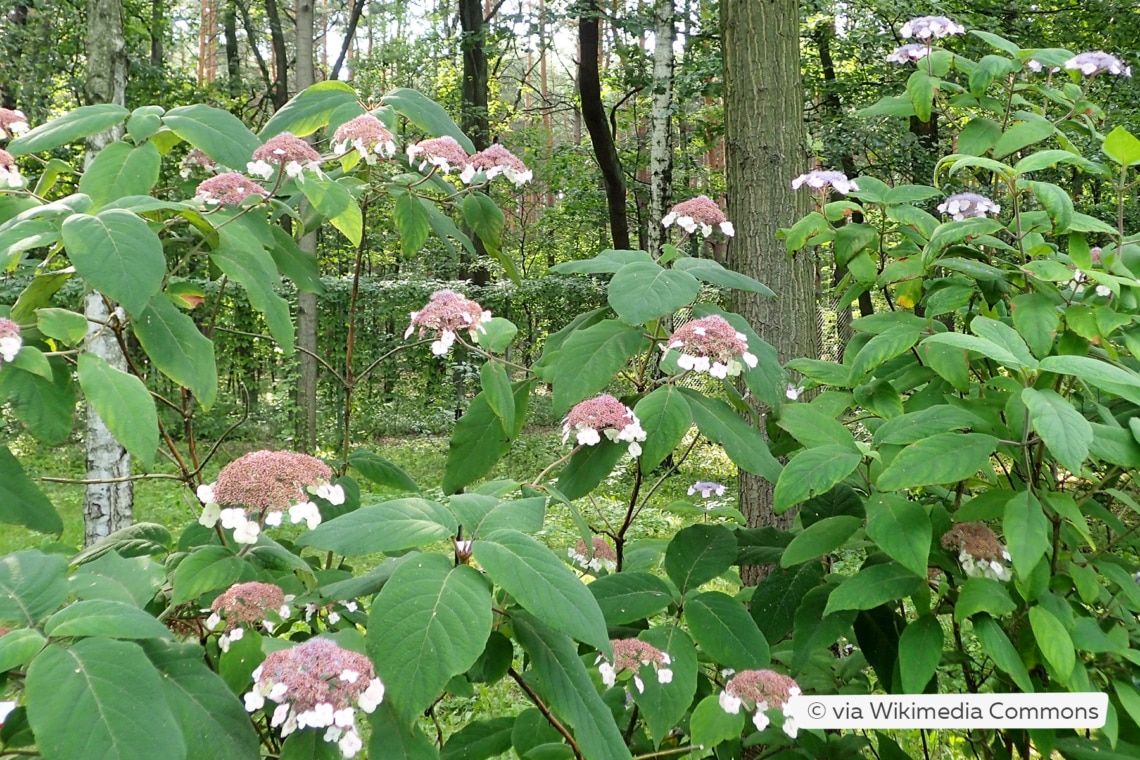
<point x="604" y="415"/>
<point x="367" y="135"/>
<point x="260" y="487"/>
<point x="711" y="344"/>
<point x="760" y="691"/>
<point x="317" y="685"/>
<point x="447" y="155"/>
<point x="630" y="655"/>
<point x="445" y="314"/>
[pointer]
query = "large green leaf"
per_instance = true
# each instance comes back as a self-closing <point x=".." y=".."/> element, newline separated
<point x="120" y="170"/>
<point x="590" y="358"/>
<point x="642" y="291"/>
<point x="480" y="514"/>
<point x="1065" y="431"/>
<point x="309" y="110"/>
<point x="335" y="203"/>
<point x="726" y="632"/>
<point x="480" y="740"/>
<point x="743" y="443"/>
<point x="19" y="647"/>
<point x="485" y="217"/>
<point x="73" y="125"/>
<point x="254" y="269"/>
<point x="608" y="261"/>
<point x="388" y="527"/>
<point x="665" y="416"/>
<point x="100" y="699"/>
<point x="124" y="404"/>
<point x="914" y="426"/>
<point x="21" y="501"/>
<point x="497" y="385"/>
<point x="920" y="649"/>
<point x="902" y="529"/>
<point x="101" y="617"/>
<point x="393" y="740"/>
<point x="707" y="270"/>
<point x="778" y="595"/>
<point x="178" y="349"/>
<point x="32" y="584"/>
<point x="627" y="597"/>
<point x="479" y="440"/>
<point x="61" y="324"/>
<point x="812" y="427"/>
<point x="381" y="472"/>
<point x="543" y="585"/>
<point x="710" y="725"/>
<point x="1037" y="320"/>
<point x="45" y="407"/>
<point x="426" y="114"/>
<point x="942" y="458"/>
<point x="999" y="649"/>
<point x="1027" y="532"/>
<point x="883" y="347"/>
<point x="430" y="622"/>
<point x="139" y="539"/>
<point x="210" y="568"/>
<point x="291" y="261"/>
<point x="214" y="723"/>
<point x="664" y="705"/>
<point x="1054" y="642"/>
<point x="217" y="133"/>
<point x="980" y="345"/>
<point x="983" y="595"/>
<point x="568" y="690"/>
<point x="588" y="467"/>
<point x="819" y="538"/>
<point x="1122" y="147"/>
<point x="134" y="581"/>
<point x="699" y="553"/>
<point x="118" y="254"/>
<point x="1101" y="374"/>
<point x="812" y="472"/>
<point x="872" y="586"/>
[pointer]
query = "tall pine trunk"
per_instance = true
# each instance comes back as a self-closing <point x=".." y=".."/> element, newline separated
<point x="107" y="505"/>
<point x="764" y="151"/>
<point x="475" y="119"/>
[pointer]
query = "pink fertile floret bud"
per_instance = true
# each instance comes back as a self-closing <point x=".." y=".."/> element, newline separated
<point x="228" y="189"/>
<point x="367" y="135"/>
<point x="445" y="315"/>
<point x="700" y="212"/>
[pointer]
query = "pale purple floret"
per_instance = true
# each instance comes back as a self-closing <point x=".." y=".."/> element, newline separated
<point x="821" y="179"/>
<point x="915" y="51"/>
<point x="930" y="28"/>
<point x="9" y="173"/>
<point x="10" y="340"/>
<point x="1097" y="62"/>
<point x="706" y="489"/>
<point x="967" y="205"/>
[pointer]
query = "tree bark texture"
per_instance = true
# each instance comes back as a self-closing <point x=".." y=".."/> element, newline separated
<point x="107" y="507"/>
<point x="661" y="123"/>
<point x="764" y="152"/>
<point x="474" y="119"/>
<point x="594" y="116"/>
<point x="306" y="302"/>
<point x="233" y="54"/>
<point x="279" y="91"/>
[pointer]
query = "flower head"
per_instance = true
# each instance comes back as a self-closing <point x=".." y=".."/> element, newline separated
<point x="12" y="123"/>
<point x="700" y="212"/>
<point x="630" y="655"/>
<point x="980" y="552"/>
<point x="1037" y="67"/>
<point x="710" y="344"/>
<point x="195" y="159"/>
<point x="445" y="315"/>
<point x="367" y="135"/>
<point x="317" y="685"/>
<point x="261" y="485"/>
<point x="496" y="160"/>
<point x="819" y="180"/>
<point x="598" y="556"/>
<point x="930" y="28"/>
<point x="246" y="604"/>
<point x="603" y="415"/>
<point x="10" y="340"/>
<point x="706" y="489"/>
<point x="760" y="691"/>
<point x="228" y="189"/>
<point x="792" y="392"/>
<point x="285" y="150"/>
<point x="9" y="172"/>
<point x="1095" y="62"/>
<point x="966" y="205"/>
<point x="443" y="152"/>
<point x="915" y="51"/>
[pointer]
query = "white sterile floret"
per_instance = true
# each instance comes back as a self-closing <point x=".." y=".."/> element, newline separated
<point x="930" y="28"/>
<point x="968" y="205"/>
<point x="232" y="518"/>
<point x="247" y="533"/>
<point x="306" y="511"/>
<point x="793" y="392"/>
<point x="729" y="703"/>
<point x="370" y="699"/>
<point x="273" y="519"/>
<point x="210" y="514"/>
<point x="333" y="494"/>
<point x="205" y="493"/>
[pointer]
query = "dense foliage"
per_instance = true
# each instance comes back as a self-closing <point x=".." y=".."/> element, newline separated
<point x="996" y="390"/>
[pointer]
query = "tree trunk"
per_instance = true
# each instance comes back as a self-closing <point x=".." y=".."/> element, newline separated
<point x="233" y="54"/>
<point x="474" y="119"/>
<point x="279" y="92"/>
<point x="594" y="116"/>
<point x="306" y="302"/>
<point x="764" y="151"/>
<point x="107" y="506"/>
<point x="661" y="123"/>
<point x="16" y="28"/>
<point x="349" y="35"/>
